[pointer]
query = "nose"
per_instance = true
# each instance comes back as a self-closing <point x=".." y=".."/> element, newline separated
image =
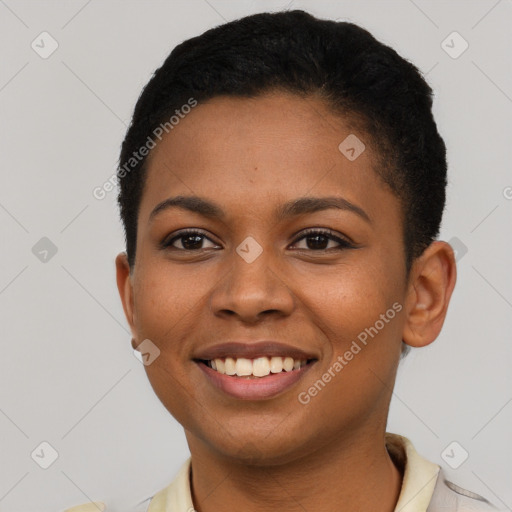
<point x="251" y="291"/>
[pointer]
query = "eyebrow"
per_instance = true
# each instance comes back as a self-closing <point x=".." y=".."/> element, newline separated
<point x="292" y="208"/>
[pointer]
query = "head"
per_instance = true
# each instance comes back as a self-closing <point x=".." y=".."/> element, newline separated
<point x="248" y="125"/>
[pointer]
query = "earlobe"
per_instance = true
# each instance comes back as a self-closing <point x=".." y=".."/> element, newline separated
<point x="125" y="288"/>
<point x="431" y="284"/>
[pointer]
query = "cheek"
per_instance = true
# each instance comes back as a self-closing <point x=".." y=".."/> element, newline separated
<point x="167" y="308"/>
<point x="352" y="298"/>
<point x="171" y="307"/>
<point x="358" y="315"/>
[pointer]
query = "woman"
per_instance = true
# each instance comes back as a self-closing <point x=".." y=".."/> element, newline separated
<point x="282" y="185"/>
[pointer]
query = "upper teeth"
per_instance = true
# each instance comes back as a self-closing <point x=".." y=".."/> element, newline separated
<point x="259" y="367"/>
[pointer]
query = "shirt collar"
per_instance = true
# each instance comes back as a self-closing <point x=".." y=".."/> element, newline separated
<point x="418" y="483"/>
<point x="420" y="475"/>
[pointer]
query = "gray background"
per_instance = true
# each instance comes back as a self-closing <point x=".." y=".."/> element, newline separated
<point x="67" y="372"/>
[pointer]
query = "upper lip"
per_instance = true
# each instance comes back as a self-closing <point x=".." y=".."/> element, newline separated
<point x="252" y="350"/>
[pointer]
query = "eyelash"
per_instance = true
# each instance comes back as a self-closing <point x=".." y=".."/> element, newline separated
<point x="343" y="244"/>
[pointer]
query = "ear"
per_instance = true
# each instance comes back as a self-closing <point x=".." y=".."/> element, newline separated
<point x="125" y="288"/>
<point x="430" y="287"/>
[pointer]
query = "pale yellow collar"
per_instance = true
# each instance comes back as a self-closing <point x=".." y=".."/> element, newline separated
<point x="418" y="484"/>
<point x="420" y="475"/>
<point x="176" y="497"/>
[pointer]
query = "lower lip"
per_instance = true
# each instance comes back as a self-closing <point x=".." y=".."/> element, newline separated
<point x="254" y="388"/>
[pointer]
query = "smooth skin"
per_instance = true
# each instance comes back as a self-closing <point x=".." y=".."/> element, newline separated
<point x="249" y="156"/>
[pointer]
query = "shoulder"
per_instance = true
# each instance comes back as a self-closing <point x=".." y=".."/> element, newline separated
<point x="99" y="506"/>
<point x="448" y="496"/>
<point x="175" y="496"/>
<point x="425" y="485"/>
<point x="96" y="506"/>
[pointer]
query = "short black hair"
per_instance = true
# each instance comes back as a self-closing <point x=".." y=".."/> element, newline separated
<point x="360" y="78"/>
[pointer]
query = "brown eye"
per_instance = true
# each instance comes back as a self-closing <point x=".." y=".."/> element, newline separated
<point x="188" y="241"/>
<point x="319" y="240"/>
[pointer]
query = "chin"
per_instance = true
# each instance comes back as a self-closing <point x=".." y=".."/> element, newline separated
<point x="258" y="450"/>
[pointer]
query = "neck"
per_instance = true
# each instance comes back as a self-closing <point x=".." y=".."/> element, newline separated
<point x="354" y="474"/>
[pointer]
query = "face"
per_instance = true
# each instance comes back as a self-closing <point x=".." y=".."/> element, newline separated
<point x="269" y="268"/>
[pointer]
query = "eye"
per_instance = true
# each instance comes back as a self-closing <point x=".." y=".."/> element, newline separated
<point x="189" y="240"/>
<point x="314" y="239"/>
<point x="319" y="240"/>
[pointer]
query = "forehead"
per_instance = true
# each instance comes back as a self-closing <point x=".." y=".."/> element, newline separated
<point x="265" y="125"/>
<point x="279" y="145"/>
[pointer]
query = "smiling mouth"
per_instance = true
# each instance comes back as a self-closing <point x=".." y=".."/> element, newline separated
<point x="257" y="368"/>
